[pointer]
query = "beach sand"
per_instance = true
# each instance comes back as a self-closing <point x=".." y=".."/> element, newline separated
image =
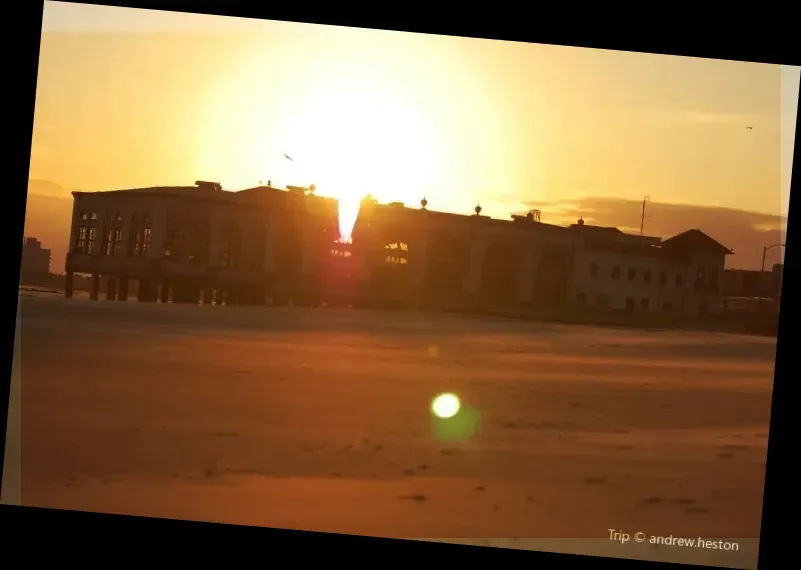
<point x="319" y="419"/>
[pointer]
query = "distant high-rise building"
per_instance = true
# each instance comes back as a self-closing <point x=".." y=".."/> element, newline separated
<point x="35" y="259"/>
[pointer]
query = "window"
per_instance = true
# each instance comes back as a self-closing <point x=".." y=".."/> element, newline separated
<point x="632" y="274"/>
<point x="616" y="272"/>
<point x="647" y="276"/>
<point x="117" y="246"/>
<point x="662" y="277"/>
<point x="396" y="253"/>
<point x="141" y="242"/>
<point x="91" y="242"/>
<point x="259" y="251"/>
<point x="80" y="243"/>
<point x="198" y="242"/>
<point x="93" y="216"/>
<point x="254" y="251"/>
<point x="700" y="279"/>
<point x="602" y="301"/>
<point x="582" y="299"/>
<point x="118" y="217"/>
<point x="679" y="280"/>
<point x="146" y="233"/>
<point x="629" y="303"/>
<point x="594" y="270"/>
<point x="667" y="307"/>
<point x="174" y="238"/>
<point x="83" y="216"/>
<point x="229" y="250"/>
<point x="645" y="303"/>
<point x="107" y="242"/>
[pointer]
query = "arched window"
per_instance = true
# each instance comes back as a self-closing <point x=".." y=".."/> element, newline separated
<point x="198" y="241"/>
<point x="139" y="241"/>
<point x="174" y="237"/>
<point x="230" y="246"/>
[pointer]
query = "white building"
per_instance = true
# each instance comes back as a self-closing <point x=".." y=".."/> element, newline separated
<point x="622" y="272"/>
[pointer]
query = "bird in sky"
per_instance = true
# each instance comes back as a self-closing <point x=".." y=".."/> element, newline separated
<point x="286" y="156"/>
<point x="749" y="128"/>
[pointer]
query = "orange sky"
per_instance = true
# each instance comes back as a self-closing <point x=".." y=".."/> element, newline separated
<point x="132" y="98"/>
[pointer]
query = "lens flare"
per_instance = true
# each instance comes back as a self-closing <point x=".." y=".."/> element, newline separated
<point x="348" y="212"/>
<point x="445" y="406"/>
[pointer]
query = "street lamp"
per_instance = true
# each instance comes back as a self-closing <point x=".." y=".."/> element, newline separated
<point x="765" y="250"/>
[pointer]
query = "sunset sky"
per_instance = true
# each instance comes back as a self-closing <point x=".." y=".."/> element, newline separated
<point x="131" y="98"/>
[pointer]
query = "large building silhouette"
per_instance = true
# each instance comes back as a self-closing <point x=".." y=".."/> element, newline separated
<point x="265" y="245"/>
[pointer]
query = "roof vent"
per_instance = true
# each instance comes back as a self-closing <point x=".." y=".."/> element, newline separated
<point x="216" y="186"/>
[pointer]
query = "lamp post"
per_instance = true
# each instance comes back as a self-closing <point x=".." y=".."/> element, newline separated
<point x="765" y="250"/>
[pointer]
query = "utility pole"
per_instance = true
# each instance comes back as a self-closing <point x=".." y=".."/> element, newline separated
<point x="761" y="282"/>
<point x="642" y="217"/>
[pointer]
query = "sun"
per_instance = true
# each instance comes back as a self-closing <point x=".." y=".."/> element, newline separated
<point x="352" y="127"/>
<point x="355" y="139"/>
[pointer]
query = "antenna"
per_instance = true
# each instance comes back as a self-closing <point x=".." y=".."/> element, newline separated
<point x="642" y="217"/>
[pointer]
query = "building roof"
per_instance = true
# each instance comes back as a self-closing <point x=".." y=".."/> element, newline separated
<point x="694" y="241"/>
<point x="634" y="249"/>
<point x="597" y="229"/>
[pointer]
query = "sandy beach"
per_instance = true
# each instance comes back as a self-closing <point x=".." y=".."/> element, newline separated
<point x="319" y="419"/>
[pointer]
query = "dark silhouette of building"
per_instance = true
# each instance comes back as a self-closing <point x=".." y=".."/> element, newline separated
<point x="282" y="246"/>
<point x="266" y="245"/>
<point x="35" y="259"/>
<point x="748" y="283"/>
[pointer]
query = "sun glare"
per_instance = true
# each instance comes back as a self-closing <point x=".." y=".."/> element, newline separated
<point x="352" y="125"/>
<point x="354" y="140"/>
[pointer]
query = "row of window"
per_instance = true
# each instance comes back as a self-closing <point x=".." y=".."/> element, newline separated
<point x="702" y="280"/>
<point x="139" y="246"/>
<point x="647" y="275"/>
<point x="117" y="217"/>
<point x="602" y="302"/>
<point x="112" y="242"/>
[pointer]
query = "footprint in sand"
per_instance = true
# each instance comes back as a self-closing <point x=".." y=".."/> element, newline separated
<point x="416" y="498"/>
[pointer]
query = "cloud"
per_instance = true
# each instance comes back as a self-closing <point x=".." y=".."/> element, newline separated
<point x="744" y="232"/>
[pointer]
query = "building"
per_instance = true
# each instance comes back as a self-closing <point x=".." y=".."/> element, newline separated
<point x="35" y="259"/>
<point x="613" y="271"/>
<point x="753" y="283"/>
<point x="266" y="245"/>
